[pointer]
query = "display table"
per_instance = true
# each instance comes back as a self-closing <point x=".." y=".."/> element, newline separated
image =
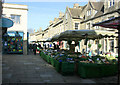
<point x="93" y="70"/>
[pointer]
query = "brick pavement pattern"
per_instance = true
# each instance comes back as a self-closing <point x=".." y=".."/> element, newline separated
<point x="33" y="69"/>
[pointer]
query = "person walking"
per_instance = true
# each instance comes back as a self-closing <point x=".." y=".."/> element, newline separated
<point x="34" y="48"/>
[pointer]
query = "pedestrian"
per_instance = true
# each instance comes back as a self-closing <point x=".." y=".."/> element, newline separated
<point x="54" y="46"/>
<point x="34" y="48"/>
<point x="39" y="45"/>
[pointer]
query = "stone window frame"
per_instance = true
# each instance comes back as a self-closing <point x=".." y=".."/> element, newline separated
<point x="88" y="12"/>
<point x="88" y="27"/>
<point x="111" y="3"/>
<point x="76" y="25"/>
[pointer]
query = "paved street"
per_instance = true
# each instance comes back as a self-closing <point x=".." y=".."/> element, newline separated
<point x="33" y="69"/>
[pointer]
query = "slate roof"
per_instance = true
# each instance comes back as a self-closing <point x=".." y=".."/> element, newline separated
<point x="98" y="14"/>
<point x="97" y="5"/>
<point x="75" y="12"/>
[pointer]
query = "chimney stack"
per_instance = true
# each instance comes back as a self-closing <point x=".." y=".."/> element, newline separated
<point x="50" y="22"/>
<point x="76" y="5"/>
<point x="60" y="14"/>
<point x="40" y="29"/>
<point x="34" y="30"/>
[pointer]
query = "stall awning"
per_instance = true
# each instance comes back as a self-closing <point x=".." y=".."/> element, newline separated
<point x="111" y="23"/>
<point x="6" y="23"/>
<point x="77" y="35"/>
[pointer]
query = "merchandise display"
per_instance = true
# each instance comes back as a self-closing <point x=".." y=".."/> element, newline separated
<point x="88" y="66"/>
<point x="15" y="44"/>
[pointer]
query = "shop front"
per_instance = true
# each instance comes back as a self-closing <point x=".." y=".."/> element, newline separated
<point x="13" y="42"/>
<point x="6" y="23"/>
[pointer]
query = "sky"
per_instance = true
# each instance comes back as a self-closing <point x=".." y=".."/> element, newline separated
<point x="40" y="13"/>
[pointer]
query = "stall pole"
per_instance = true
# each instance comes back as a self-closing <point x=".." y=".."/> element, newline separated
<point x="118" y="53"/>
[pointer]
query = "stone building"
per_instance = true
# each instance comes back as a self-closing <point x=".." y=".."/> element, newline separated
<point x="104" y="11"/>
<point x="82" y="17"/>
<point x="17" y="13"/>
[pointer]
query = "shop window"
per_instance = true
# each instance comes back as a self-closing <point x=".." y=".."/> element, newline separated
<point x="16" y="18"/>
<point x="76" y="26"/>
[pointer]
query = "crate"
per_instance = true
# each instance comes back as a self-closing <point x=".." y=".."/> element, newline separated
<point x="48" y="58"/>
<point x="57" y="66"/>
<point x="92" y="70"/>
<point x="67" y="68"/>
<point x="53" y="62"/>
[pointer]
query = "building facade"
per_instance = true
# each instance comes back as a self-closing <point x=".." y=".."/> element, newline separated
<point x="17" y="13"/>
<point x="82" y="17"/>
<point x="104" y="12"/>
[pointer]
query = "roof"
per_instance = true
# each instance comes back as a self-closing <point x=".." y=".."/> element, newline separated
<point x="97" y="5"/>
<point x="84" y="7"/>
<point x="117" y="10"/>
<point x="15" y="4"/>
<point x="75" y="12"/>
<point x="98" y="13"/>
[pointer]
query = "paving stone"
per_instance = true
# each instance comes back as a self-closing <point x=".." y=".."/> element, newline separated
<point x="33" y="69"/>
<point x="5" y="68"/>
<point x="28" y="63"/>
<point x="45" y="75"/>
<point x="87" y="81"/>
<point x="7" y="76"/>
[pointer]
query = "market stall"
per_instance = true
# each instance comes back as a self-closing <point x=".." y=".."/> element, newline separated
<point x="70" y="63"/>
<point x="113" y="23"/>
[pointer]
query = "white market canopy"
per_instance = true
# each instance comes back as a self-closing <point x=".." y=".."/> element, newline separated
<point x="77" y="35"/>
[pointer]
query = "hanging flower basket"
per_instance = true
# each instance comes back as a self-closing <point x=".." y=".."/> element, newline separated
<point x="99" y="46"/>
<point x="89" y="45"/>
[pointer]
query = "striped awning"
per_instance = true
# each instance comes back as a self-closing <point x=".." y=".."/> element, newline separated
<point x="111" y="23"/>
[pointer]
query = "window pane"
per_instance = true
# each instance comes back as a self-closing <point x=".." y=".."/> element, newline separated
<point x="16" y="18"/>
<point x="113" y="2"/>
<point x="88" y="25"/>
<point x="76" y="25"/>
<point x="112" y="45"/>
<point x="12" y="17"/>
